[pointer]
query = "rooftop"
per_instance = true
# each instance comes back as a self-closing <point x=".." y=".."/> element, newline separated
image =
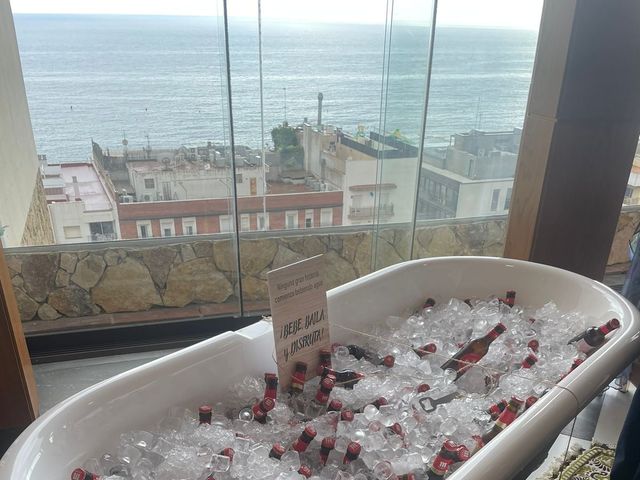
<point x="92" y="191"/>
<point x="460" y="178"/>
<point x="276" y="188"/>
<point x="148" y="166"/>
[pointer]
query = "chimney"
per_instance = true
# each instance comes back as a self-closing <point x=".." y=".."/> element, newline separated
<point x="76" y="189"/>
<point x="320" y="111"/>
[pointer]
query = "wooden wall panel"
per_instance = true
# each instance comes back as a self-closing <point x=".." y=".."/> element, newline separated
<point x="18" y="397"/>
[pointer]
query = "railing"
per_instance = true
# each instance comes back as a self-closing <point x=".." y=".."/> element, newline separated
<point x="102" y="237"/>
<point x="60" y="287"/>
<point x="366" y="212"/>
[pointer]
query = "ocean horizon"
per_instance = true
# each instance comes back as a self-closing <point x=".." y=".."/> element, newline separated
<point x="103" y="77"/>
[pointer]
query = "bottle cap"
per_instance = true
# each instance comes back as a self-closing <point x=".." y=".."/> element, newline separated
<point x="353" y="450"/>
<point x="81" y="474"/>
<point x="228" y="452"/>
<point x="380" y="401"/>
<point x="205" y="409"/>
<point x="335" y="405"/>
<point x="450" y="446"/>
<point x="310" y="431"/>
<point x="530" y="401"/>
<point x="429" y="302"/>
<point x="328" y="443"/>
<point x="396" y="428"/>
<point x="423" y="387"/>
<point x="346" y="415"/>
<point x="277" y="451"/>
<point x="305" y="471"/>
<point x="534" y="345"/>
<point x="530" y="360"/>
<point x="614" y="323"/>
<point x="328" y="382"/>
<point x="389" y="361"/>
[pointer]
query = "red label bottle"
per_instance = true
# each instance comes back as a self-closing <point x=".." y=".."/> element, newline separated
<point x="271" y="387"/>
<point x="594" y="337"/>
<point x="473" y="351"/>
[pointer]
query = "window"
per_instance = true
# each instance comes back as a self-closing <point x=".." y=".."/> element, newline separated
<point x="291" y="219"/>
<point x="330" y="175"/>
<point x="326" y="217"/>
<point x="451" y="198"/>
<point x="507" y="200"/>
<point x="166" y="191"/>
<point x="102" y="231"/>
<point x="72" y="232"/>
<point x="225" y="223"/>
<point x="189" y="226"/>
<point x="245" y="222"/>
<point x="144" y="229"/>
<point x="494" y="199"/>
<point x="263" y="221"/>
<point x="167" y="227"/>
<point x="308" y="219"/>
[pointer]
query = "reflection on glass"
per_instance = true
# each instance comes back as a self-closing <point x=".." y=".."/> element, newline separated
<point x="343" y="143"/>
<point x="477" y="98"/>
<point x="131" y="120"/>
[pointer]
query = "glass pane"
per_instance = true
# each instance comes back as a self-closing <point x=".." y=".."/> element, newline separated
<point x="482" y="64"/>
<point x="134" y="180"/>
<point x="397" y="139"/>
<point x="311" y="110"/>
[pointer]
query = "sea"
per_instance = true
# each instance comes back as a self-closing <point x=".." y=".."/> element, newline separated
<point x="161" y="80"/>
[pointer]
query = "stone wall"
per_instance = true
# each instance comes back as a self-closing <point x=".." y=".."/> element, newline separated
<point x="119" y="277"/>
<point x="129" y="276"/>
<point x="38" y="229"/>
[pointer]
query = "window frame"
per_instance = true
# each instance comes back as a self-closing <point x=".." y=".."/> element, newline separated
<point x="148" y="227"/>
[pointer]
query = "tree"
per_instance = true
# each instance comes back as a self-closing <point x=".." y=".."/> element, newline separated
<point x="284" y="136"/>
<point x="286" y="142"/>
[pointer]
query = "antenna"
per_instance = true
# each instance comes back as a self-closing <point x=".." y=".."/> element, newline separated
<point x="148" y="145"/>
<point x="285" y="103"/>
<point x="125" y="142"/>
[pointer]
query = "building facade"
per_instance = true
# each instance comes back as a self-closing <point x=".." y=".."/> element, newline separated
<point x="82" y="207"/>
<point x="196" y="217"/>
<point x="24" y="219"/>
<point x="470" y="177"/>
<point x="372" y="172"/>
<point x="188" y="191"/>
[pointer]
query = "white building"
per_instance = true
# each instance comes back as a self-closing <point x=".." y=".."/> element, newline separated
<point x="470" y="177"/>
<point x="185" y="173"/>
<point x="82" y="208"/>
<point x="185" y="180"/>
<point x="374" y="190"/>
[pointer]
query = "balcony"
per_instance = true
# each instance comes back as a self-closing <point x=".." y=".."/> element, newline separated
<point x="102" y="237"/>
<point x="357" y="213"/>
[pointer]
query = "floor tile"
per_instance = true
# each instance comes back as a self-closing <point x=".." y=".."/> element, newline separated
<point x="614" y="410"/>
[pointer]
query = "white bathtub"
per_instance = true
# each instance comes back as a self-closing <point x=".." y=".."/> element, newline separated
<point x="90" y="421"/>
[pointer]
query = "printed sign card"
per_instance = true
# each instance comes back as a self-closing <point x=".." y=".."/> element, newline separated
<point x="298" y="298"/>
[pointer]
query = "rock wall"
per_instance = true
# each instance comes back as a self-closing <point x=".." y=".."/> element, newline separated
<point x="117" y="277"/>
<point x="38" y="229"/>
<point x="113" y="279"/>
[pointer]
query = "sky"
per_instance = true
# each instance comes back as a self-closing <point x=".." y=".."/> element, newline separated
<point x="523" y="14"/>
